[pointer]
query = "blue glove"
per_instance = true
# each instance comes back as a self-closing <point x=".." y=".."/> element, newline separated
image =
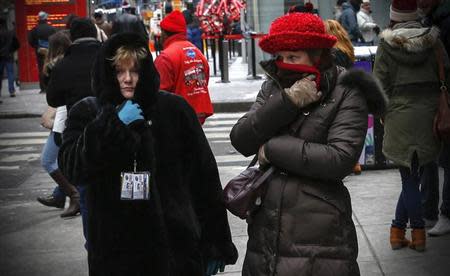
<point x="130" y="112"/>
<point x="214" y="267"/>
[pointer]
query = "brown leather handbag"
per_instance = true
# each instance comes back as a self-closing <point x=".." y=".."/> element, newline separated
<point x="243" y="193"/>
<point x="441" y="124"/>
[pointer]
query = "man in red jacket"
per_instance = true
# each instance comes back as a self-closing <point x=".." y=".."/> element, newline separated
<point x="182" y="67"/>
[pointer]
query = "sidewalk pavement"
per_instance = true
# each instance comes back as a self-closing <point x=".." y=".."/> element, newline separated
<point x="235" y="96"/>
<point x="35" y="241"/>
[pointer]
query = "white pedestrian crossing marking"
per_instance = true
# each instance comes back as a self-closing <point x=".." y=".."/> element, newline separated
<point x="19" y="142"/>
<point x="220" y="123"/>
<point x="29" y="157"/>
<point x="226" y="115"/>
<point x="217" y="135"/>
<point x="24" y="134"/>
<point x="20" y="149"/>
<point x="9" y="168"/>
<point x="217" y="129"/>
<point x="232" y="158"/>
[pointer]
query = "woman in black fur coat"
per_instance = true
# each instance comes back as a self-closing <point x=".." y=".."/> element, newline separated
<point x="182" y="229"/>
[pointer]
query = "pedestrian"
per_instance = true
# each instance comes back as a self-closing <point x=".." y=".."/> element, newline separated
<point x="349" y="21"/>
<point x="70" y="81"/>
<point x="338" y="10"/>
<point x="343" y="51"/>
<point x="8" y="45"/>
<point x="367" y="26"/>
<point x="309" y="122"/>
<point x="407" y="68"/>
<point x="176" y="224"/>
<point x="38" y="39"/>
<point x="59" y="42"/>
<point x="100" y="21"/>
<point x="182" y="67"/>
<point x="437" y="13"/>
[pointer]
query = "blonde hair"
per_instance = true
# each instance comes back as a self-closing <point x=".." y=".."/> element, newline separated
<point x="124" y="54"/>
<point x="343" y="41"/>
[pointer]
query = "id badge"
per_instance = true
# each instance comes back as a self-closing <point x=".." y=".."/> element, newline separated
<point x="135" y="186"/>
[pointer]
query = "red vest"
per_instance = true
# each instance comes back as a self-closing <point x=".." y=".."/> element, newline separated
<point x="185" y="71"/>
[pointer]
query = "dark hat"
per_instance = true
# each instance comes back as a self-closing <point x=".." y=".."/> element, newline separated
<point x="82" y="27"/>
<point x="404" y="10"/>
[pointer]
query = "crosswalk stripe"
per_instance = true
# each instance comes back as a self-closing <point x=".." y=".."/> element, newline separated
<point x="217" y="135"/>
<point x="219" y="141"/>
<point x="226" y="116"/>
<point x="217" y="129"/>
<point x="24" y="134"/>
<point x="232" y="158"/>
<point x="21" y="157"/>
<point x="19" y="142"/>
<point x="9" y="168"/>
<point x="20" y="149"/>
<point x="220" y="123"/>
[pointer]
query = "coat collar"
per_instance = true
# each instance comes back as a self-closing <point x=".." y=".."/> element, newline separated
<point x="174" y="38"/>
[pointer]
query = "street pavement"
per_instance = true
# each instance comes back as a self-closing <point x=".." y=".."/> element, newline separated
<point x="34" y="240"/>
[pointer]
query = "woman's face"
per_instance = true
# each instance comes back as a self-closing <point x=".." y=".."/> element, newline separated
<point x="128" y="76"/>
<point x="295" y="57"/>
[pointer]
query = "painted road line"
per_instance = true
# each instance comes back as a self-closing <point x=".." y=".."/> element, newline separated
<point x="9" y="168"/>
<point x="220" y="123"/>
<point x="18" y="142"/>
<point x="232" y="158"/>
<point x="217" y="135"/>
<point x="226" y="116"/>
<point x="21" y="157"/>
<point x="217" y="129"/>
<point x="20" y="149"/>
<point x="24" y="134"/>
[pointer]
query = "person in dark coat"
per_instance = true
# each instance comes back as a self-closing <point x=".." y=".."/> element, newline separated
<point x="38" y="39"/>
<point x="437" y="13"/>
<point x="313" y="139"/>
<point x="70" y="81"/>
<point x="8" y="45"/>
<point x="131" y="126"/>
<point x="349" y="21"/>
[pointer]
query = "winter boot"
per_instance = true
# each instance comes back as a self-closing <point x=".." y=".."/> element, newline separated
<point x="51" y="201"/>
<point x="71" y="191"/>
<point x="357" y="169"/>
<point x="418" y="239"/>
<point x="398" y="239"/>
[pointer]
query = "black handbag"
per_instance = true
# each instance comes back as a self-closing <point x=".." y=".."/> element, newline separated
<point x="243" y="193"/>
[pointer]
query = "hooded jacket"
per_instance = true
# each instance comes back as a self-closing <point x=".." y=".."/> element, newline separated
<point x="349" y="21"/>
<point x="406" y="66"/>
<point x="304" y="225"/>
<point x="184" y="224"/>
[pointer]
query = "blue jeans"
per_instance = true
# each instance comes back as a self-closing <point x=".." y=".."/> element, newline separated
<point x="409" y="203"/>
<point x="84" y="212"/>
<point x="9" y="64"/>
<point x="49" y="160"/>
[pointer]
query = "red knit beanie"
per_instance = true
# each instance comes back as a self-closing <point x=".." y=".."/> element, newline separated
<point x="174" y="22"/>
<point x="296" y="31"/>
<point x="404" y="10"/>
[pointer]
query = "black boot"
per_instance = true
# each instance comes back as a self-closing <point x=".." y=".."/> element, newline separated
<point x="51" y="201"/>
<point x="71" y="191"/>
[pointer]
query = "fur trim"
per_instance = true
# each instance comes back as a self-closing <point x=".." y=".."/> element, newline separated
<point x="369" y="86"/>
<point x="411" y="39"/>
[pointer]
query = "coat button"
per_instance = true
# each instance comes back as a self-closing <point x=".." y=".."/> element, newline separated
<point x="306" y="113"/>
<point x="149" y="122"/>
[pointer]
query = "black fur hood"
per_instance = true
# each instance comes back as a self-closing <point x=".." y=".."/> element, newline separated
<point x="105" y="85"/>
<point x="369" y="86"/>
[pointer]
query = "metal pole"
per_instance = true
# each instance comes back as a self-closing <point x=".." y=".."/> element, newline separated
<point x="221" y="54"/>
<point x="213" y="53"/>
<point x="224" y="69"/>
<point x="253" y="60"/>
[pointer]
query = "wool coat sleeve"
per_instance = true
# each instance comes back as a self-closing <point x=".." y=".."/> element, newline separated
<point x="345" y="139"/>
<point x="206" y="191"/>
<point x="271" y="111"/>
<point x="94" y="142"/>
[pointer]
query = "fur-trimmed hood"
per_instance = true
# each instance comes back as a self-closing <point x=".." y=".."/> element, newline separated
<point x="369" y="86"/>
<point x="411" y="37"/>
<point x="105" y="85"/>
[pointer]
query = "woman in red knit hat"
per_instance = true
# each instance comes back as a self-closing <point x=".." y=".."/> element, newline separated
<point x="309" y="122"/>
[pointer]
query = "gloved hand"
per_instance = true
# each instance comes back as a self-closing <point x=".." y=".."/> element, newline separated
<point x="303" y="92"/>
<point x="130" y="112"/>
<point x="214" y="267"/>
<point x="262" y="159"/>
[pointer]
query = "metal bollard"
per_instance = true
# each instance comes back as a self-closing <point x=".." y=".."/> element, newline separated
<point x="224" y="68"/>
<point x="253" y="60"/>
<point x="213" y="53"/>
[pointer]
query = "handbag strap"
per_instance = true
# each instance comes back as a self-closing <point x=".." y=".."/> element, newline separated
<point x="439" y="58"/>
<point x="263" y="177"/>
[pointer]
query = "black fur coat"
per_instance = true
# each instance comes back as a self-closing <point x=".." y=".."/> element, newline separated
<point x="184" y="224"/>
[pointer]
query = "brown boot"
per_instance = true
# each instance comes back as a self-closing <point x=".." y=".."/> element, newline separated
<point x="418" y="239"/>
<point x="70" y="191"/>
<point x="398" y="239"/>
<point x="357" y="169"/>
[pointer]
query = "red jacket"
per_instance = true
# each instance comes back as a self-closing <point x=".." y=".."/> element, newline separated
<point x="184" y="71"/>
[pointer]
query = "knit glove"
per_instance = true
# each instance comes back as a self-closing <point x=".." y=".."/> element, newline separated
<point x="130" y="112"/>
<point x="213" y="267"/>
<point x="303" y="92"/>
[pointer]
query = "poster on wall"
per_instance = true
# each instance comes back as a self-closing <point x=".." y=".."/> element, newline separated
<point x="27" y="18"/>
